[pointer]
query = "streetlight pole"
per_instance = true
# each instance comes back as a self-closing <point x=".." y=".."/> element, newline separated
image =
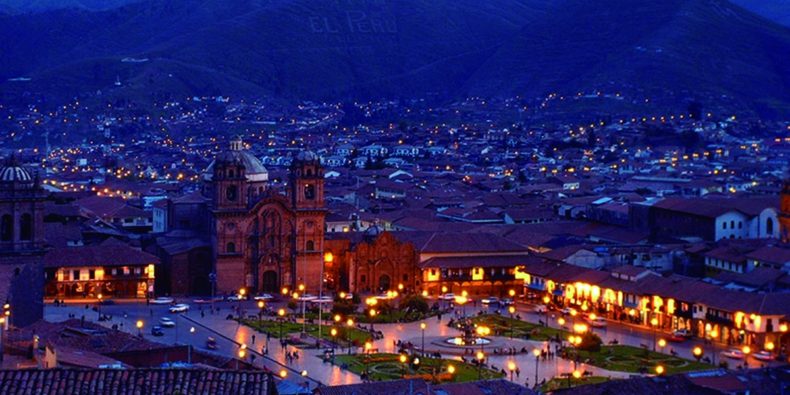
<point x="349" y="325"/>
<point x="511" y="310"/>
<point x="98" y="307"/>
<point x="281" y="315"/>
<point x="480" y="357"/>
<point x="536" y="353"/>
<point x="654" y="323"/>
<point x="242" y="291"/>
<point x="261" y="305"/>
<point x="328" y="258"/>
<point x="422" y="328"/>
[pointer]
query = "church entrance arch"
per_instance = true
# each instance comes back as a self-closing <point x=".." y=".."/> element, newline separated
<point x="384" y="282"/>
<point x="269" y="282"/>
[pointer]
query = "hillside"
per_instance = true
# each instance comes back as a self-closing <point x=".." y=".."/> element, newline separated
<point x="322" y="49"/>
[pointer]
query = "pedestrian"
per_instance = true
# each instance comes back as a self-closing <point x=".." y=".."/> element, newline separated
<point x="253" y="339"/>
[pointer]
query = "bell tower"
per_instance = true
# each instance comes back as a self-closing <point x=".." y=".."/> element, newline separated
<point x="306" y="195"/>
<point x="229" y="179"/>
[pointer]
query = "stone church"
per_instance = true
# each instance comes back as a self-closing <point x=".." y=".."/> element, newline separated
<point x="264" y="238"/>
<point x="21" y="244"/>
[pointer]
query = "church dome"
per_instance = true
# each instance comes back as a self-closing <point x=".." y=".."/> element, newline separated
<point x="237" y="155"/>
<point x="12" y="172"/>
<point x="307" y="156"/>
<point x="15" y="174"/>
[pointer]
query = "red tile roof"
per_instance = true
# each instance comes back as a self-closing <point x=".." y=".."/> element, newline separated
<point x="134" y="381"/>
<point x="98" y="255"/>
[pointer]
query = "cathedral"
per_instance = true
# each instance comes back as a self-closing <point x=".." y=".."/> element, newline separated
<point x="21" y="243"/>
<point x="264" y="239"/>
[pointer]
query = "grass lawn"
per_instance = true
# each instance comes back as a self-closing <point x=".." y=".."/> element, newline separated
<point x="631" y="359"/>
<point x="501" y="326"/>
<point x="560" y="383"/>
<point x="384" y="367"/>
<point x="357" y="336"/>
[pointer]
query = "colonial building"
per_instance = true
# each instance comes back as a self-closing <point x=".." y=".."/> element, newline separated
<point x="261" y="238"/>
<point x="112" y="269"/>
<point x="21" y="243"/>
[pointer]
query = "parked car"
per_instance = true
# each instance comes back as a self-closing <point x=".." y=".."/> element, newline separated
<point x="162" y="300"/>
<point x="167" y="322"/>
<point x="236" y="297"/>
<point x="448" y="296"/>
<point x="156" y="330"/>
<point x="179" y="308"/>
<point x="764" y="356"/>
<point x="679" y="335"/>
<point x="540" y="309"/>
<point x="264" y="297"/>
<point x="597" y="322"/>
<point x="211" y="343"/>
<point x="490" y="300"/>
<point x="733" y="353"/>
<point x="506" y="301"/>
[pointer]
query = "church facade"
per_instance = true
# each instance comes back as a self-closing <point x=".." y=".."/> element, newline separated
<point x="263" y="238"/>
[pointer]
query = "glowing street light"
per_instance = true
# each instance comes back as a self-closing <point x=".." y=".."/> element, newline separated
<point x="422" y="329"/>
<point x="511" y="366"/>
<point x="139" y="325"/>
<point x="659" y="370"/>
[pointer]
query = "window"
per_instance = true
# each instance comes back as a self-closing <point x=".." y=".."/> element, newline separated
<point x="91" y="274"/>
<point x="231" y="192"/>
<point x="769" y="226"/>
<point x="26" y="227"/>
<point x="231" y="173"/>
<point x="310" y="245"/>
<point x="309" y="191"/>
<point x="362" y="279"/>
<point x="75" y="275"/>
<point x="724" y="225"/>
<point x="732" y="224"/>
<point x="6" y="228"/>
<point x="230" y="248"/>
<point x="740" y="224"/>
<point x="405" y="278"/>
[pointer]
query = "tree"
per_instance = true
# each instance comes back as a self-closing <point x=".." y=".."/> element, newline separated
<point x="590" y="342"/>
<point x="414" y="303"/>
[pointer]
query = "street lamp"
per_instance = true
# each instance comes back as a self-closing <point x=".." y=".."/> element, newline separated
<point x="461" y="300"/>
<point x="403" y="359"/>
<point x="697" y="352"/>
<point x="659" y="370"/>
<point x="372" y="317"/>
<point x="451" y="369"/>
<point x="536" y="353"/>
<point x="333" y="332"/>
<point x="349" y="324"/>
<point x="261" y="305"/>
<point x="511" y="366"/>
<point x="242" y="292"/>
<point x="661" y="344"/>
<point x="512" y="311"/>
<point x="281" y="315"/>
<point x="283" y="373"/>
<point x="480" y="358"/>
<point x="98" y="308"/>
<point x="139" y="328"/>
<point x="422" y="328"/>
<point x="654" y="324"/>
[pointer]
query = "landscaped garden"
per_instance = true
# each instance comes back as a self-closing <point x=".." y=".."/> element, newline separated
<point x="357" y="336"/>
<point x="570" y="382"/>
<point x="382" y="367"/>
<point x="635" y="360"/>
<point x="506" y="326"/>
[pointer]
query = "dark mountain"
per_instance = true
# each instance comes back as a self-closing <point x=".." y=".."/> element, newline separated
<point x="775" y="10"/>
<point x="349" y="48"/>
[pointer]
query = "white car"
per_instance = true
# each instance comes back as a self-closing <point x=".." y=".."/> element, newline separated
<point x="764" y="356"/>
<point x="264" y="297"/>
<point x="448" y="296"/>
<point x="540" y="309"/>
<point x="179" y="308"/>
<point x="490" y="300"/>
<point x="733" y="353"/>
<point x="236" y="298"/>
<point x="323" y="299"/>
<point x="167" y="322"/>
<point x="162" y="300"/>
<point x="597" y="322"/>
